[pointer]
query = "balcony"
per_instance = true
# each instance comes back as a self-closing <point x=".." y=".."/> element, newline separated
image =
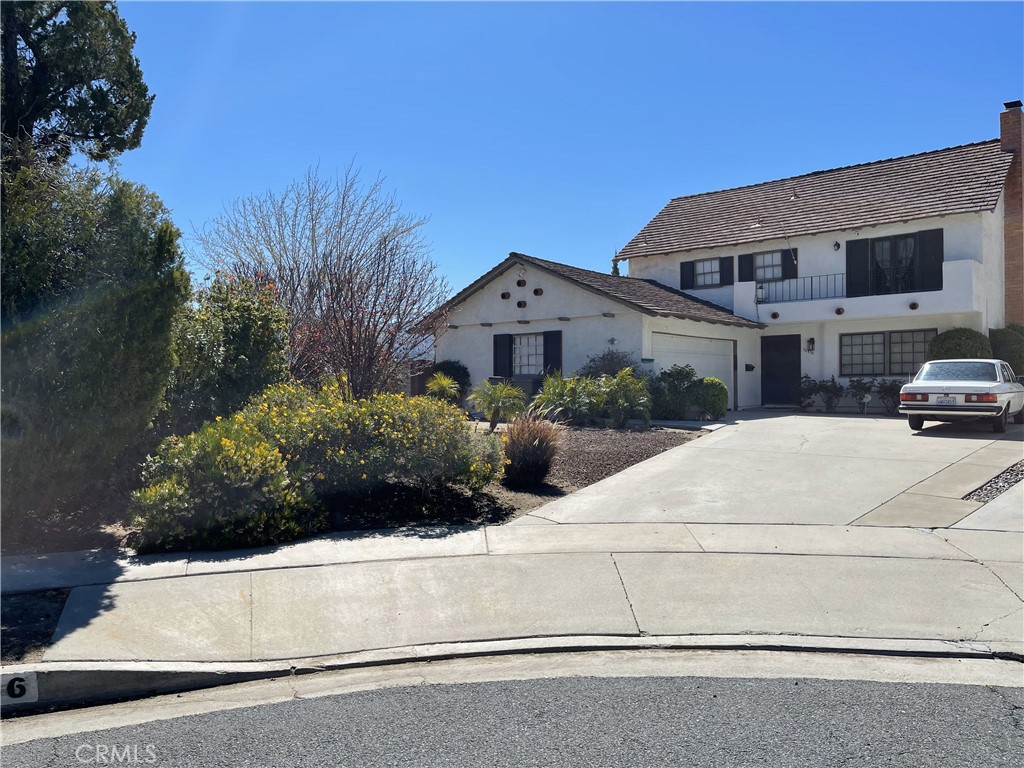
<point x="801" y="289"/>
<point x="877" y="282"/>
<point x="885" y="294"/>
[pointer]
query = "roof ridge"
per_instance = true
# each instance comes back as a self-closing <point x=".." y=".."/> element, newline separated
<point x="515" y="254"/>
<point x="832" y="170"/>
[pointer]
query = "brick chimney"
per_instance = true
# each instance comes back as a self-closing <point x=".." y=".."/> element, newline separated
<point x="1011" y="123"/>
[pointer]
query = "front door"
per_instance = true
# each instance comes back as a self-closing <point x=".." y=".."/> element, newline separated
<point x="780" y="369"/>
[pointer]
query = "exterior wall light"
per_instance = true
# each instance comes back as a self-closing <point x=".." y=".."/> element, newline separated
<point x="840" y="310"/>
<point x="836" y="246"/>
<point x="611" y="341"/>
<point x="914" y="305"/>
<point x="776" y="315"/>
<point x="810" y="345"/>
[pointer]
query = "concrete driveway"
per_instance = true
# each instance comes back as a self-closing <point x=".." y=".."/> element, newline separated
<point x="809" y="469"/>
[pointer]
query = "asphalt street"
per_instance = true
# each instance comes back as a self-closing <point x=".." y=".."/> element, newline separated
<point x="686" y="721"/>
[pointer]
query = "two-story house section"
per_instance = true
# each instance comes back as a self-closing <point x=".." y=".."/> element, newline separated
<point x="851" y="271"/>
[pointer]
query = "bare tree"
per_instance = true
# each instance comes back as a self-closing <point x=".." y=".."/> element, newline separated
<point x="352" y="269"/>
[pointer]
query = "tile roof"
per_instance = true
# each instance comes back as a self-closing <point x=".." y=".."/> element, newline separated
<point x="647" y="296"/>
<point x="960" y="179"/>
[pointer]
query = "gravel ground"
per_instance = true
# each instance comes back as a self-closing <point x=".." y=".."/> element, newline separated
<point x="589" y="455"/>
<point x="998" y="484"/>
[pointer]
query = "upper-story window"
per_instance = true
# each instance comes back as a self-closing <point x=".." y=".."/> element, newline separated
<point x="768" y="266"/>
<point x="707" y="274"/>
<point x="895" y="264"/>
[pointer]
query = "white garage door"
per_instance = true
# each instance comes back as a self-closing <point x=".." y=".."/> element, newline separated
<point x="709" y="357"/>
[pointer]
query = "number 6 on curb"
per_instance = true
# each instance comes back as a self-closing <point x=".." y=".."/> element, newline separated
<point x="19" y="688"/>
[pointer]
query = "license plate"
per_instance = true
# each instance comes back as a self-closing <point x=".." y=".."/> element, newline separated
<point x="945" y="401"/>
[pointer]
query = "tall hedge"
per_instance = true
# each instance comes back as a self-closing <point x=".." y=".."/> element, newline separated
<point x="1008" y="345"/>
<point x="959" y="343"/>
<point x="87" y="334"/>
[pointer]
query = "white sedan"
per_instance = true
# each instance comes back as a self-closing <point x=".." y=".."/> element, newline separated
<point x="960" y="390"/>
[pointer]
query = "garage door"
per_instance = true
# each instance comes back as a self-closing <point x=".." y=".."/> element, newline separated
<point x="709" y="357"/>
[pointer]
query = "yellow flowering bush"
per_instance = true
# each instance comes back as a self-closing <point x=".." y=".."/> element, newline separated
<point x="220" y="487"/>
<point x="261" y="475"/>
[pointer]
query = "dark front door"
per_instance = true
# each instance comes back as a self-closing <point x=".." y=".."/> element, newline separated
<point x="780" y="369"/>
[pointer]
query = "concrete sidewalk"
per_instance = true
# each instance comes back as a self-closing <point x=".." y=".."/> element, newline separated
<point x="860" y="583"/>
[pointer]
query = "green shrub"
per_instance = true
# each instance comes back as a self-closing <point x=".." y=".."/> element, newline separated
<point x="531" y="444"/>
<point x="889" y="393"/>
<point x="1008" y="345"/>
<point x="457" y="370"/>
<point x="231" y="345"/>
<point x="1016" y="328"/>
<point x="608" y="363"/>
<point x="443" y="387"/>
<point x="346" y="446"/>
<point x="959" y="343"/>
<point x="252" y="479"/>
<point x="831" y="392"/>
<point x="858" y="388"/>
<point x="498" y="401"/>
<point x="806" y="391"/>
<point x="223" y="486"/>
<point x="672" y="392"/>
<point x="625" y="398"/>
<point x="578" y="400"/>
<point x="711" y="396"/>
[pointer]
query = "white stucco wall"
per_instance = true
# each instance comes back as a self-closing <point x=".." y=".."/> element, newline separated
<point x="975" y="237"/>
<point x="587" y="333"/>
<point x="989" y="290"/>
<point x="824" y="361"/>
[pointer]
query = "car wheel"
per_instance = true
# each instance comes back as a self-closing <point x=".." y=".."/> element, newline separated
<point x="999" y="422"/>
<point x="1019" y="418"/>
<point x="916" y="422"/>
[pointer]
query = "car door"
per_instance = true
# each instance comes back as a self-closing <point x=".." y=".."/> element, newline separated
<point x="1016" y="388"/>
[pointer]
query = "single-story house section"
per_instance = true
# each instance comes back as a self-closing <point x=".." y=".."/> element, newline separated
<point x="528" y="316"/>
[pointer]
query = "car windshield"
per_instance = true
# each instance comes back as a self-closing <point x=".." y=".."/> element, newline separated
<point x="961" y="370"/>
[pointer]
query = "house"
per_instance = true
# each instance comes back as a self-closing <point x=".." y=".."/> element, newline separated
<point x="846" y="272"/>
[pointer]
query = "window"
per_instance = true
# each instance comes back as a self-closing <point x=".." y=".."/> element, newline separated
<point x="964" y="370"/>
<point x="706" y="273"/>
<point x="528" y="354"/>
<point x="768" y="266"/>
<point x="862" y="353"/>
<point x="908" y="350"/>
<point x="892" y="353"/>
<point x="896" y="264"/>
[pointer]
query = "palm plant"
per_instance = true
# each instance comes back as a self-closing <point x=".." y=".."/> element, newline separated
<point x="443" y="387"/>
<point x="499" y="400"/>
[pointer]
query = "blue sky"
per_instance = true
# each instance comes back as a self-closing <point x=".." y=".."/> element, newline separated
<point x="554" y="129"/>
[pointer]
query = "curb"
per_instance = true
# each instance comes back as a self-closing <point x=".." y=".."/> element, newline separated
<point x="70" y="685"/>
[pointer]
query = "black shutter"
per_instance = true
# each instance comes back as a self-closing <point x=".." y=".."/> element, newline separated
<point x="686" y="275"/>
<point x="929" y="260"/>
<point x="746" y="267"/>
<point x="503" y="355"/>
<point x="552" y="351"/>
<point x="789" y="270"/>
<point x="857" y="268"/>
<point x="725" y="270"/>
